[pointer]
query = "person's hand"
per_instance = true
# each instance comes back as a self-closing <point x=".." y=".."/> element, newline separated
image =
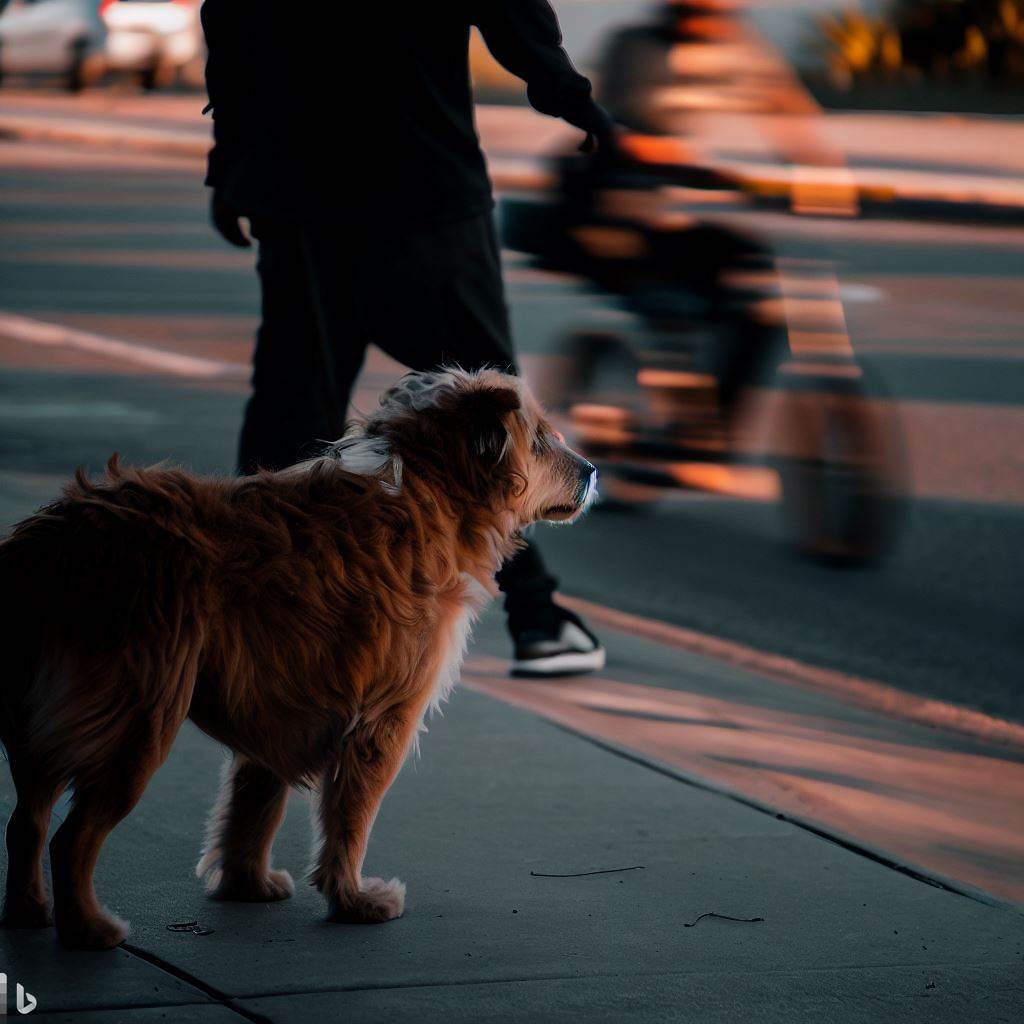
<point x="604" y="145"/>
<point x="226" y="221"/>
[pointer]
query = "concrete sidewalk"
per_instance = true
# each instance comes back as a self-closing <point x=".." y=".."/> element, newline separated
<point x="901" y="164"/>
<point x="498" y="796"/>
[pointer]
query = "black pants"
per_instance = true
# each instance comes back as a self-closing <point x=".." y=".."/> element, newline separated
<point x="425" y="296"/>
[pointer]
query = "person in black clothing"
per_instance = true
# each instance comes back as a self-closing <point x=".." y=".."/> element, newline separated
<point x="345" y="134"/>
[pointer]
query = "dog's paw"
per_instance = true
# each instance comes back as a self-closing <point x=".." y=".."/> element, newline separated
<point x="376" y="901"/>
<point x="26" y="912"/>
<point x="94" y="931"/>
<point x="252" y="887"/>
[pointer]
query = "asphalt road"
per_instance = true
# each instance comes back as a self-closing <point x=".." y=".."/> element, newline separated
<point x="119" y="245"/>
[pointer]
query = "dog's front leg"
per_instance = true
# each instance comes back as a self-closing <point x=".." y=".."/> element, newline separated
<point x="350" y="796"/>
<point x="236" y="857"/>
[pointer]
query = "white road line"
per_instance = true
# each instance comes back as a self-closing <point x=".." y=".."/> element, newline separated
<point x="853" y="291"/>
<point x="39" y="332"/>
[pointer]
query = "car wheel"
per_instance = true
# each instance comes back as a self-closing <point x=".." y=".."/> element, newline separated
<point x="159" y="75"/>
<point x="77" y="78"/>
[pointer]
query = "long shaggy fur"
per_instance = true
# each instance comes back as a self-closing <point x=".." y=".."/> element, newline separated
<point x="306" y="619"/>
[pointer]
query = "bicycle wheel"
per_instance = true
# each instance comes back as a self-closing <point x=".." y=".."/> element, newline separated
<point x="843" y="484"/>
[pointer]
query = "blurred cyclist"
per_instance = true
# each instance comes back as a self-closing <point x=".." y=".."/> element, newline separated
<point x="695" y="73"/>
<point x="344" y="133"/>
<point x="697" y="60"/>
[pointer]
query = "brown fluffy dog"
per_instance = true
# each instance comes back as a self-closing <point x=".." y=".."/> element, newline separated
<point x="306" y="619"/>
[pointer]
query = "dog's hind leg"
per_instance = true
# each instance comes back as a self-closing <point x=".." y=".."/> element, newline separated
<point x="236" y="856"/>
<point x="349" y="800"/>
<point x="106" y="790"/>
<point x="98" y="805"/>
<point x="26" y="904"/>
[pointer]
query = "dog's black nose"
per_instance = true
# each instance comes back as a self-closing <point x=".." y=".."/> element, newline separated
<point x="587" y="470"/>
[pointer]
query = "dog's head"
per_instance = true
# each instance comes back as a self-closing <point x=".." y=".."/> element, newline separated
<point x="480" y="437"/>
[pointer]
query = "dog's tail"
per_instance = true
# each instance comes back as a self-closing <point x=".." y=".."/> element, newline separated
<point x="23" y="574"/>
<point x="34" y="573"/>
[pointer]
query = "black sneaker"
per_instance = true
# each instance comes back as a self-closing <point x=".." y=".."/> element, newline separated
<point x="565" y="647"/>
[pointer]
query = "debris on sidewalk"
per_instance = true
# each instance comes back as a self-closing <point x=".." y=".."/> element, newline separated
<point x="191" y="927"/>
<point x="722" y="917"/>
<point x="580" y="874"/>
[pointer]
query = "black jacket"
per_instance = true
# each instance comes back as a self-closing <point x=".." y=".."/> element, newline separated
<point x="361" y="110"/>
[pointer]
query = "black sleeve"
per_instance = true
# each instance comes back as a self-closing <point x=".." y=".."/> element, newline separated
<point x="229" y="84"/>
<point x="525" y="38"/>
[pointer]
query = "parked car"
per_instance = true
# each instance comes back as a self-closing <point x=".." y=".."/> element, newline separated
<point x="53" y="37"/>
<point x="160" y="41"/>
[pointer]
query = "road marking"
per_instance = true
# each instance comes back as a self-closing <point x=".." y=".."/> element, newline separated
<point x="79" y="411"/>
<point x="866" y="693"/>
<point x="853" y="291"/>
<point x="39" y="332"/>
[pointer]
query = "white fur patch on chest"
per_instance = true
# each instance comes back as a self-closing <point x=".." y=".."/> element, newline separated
<point x="458" y="639"/>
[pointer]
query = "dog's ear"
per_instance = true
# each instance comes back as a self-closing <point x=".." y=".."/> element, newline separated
<point x="482" y="412"/>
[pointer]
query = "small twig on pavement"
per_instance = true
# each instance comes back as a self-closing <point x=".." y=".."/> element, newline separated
<point x="723" y="917"/>
<point x="580" y="874"/>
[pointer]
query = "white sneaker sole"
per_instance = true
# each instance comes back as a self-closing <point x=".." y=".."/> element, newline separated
<point x="568" y="664"/>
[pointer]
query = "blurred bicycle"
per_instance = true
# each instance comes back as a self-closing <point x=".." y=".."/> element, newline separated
<point x="730" y="371"/>
<point x="730" y="367"/>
